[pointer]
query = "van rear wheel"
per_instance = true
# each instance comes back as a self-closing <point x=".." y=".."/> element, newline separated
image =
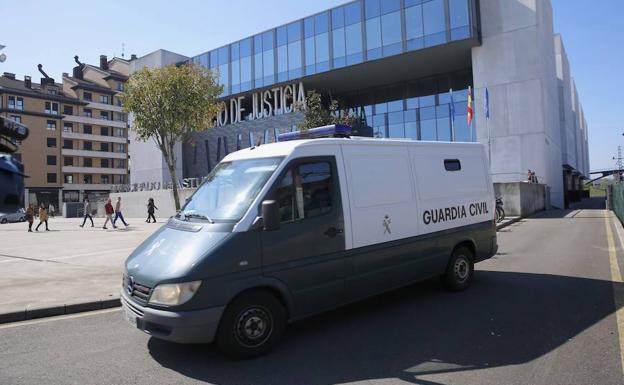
<point x="460" y="269"/>
<point x="251" y="325"/>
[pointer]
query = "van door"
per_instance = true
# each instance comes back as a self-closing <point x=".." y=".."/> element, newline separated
<point x="307" y="251"/>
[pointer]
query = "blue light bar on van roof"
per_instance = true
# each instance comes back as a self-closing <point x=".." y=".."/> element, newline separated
<point x="330" y="131"/>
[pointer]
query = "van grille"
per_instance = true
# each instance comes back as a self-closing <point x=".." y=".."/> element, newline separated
<point x="138" y="292"/>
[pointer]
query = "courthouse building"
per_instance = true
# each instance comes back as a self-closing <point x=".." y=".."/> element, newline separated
<point x="395" y="62"/>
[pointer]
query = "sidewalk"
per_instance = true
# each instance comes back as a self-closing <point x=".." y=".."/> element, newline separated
<point x="65" y="270"/>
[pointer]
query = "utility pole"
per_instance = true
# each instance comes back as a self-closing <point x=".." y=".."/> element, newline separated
<point x="619" y="163"/>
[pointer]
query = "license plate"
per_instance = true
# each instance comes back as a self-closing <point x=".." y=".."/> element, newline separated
<point x="130" y="317"/>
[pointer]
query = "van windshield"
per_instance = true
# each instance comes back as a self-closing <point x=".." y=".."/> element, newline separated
<point x="229" y="189"/>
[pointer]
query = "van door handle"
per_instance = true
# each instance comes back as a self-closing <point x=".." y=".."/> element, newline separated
<point x="332" y="232"/>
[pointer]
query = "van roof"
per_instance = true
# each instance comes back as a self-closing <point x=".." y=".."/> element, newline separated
<point x="286" y="148"/>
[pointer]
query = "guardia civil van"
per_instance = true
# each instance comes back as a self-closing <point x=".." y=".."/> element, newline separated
<point x="282" y="231"/>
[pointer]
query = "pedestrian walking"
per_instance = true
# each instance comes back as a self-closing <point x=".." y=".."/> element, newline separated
<point x="150" y="210"/>
<point x="30" y="216"/>
<point x="118" y="214"/>
<point x="108" y="209"/>
<point x="530" y="176"/>
<point x="43" y="217"/>
<point x="87" y="213"/>
<point x="51" y="210"/>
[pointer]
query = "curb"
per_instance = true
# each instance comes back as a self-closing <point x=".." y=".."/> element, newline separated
<point x="508" y="222"/>
<point x="71" y="308"/>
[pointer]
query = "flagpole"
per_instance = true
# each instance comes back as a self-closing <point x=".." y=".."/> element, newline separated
<point x="452" y="111"/>
<point x="487" y="126"/>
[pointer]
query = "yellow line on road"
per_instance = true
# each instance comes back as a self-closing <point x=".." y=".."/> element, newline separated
<point x="58" y="318"/>
<point x="618" y="287"/>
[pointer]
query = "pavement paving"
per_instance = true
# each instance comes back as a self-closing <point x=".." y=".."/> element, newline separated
<point x="542" y="311"/>
<point x="66" y="269"/>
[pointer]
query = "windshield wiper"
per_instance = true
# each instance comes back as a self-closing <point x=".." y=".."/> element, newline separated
<point x="197" y="216"/>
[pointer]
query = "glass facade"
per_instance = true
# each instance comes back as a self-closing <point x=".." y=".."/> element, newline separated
<point x="353" y="33"/>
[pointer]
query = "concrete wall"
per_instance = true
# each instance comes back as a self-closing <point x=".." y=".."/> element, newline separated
<point x="516" y="62"/>
<point x="134" y="204"/>
<point x="147" y="163"/>
<point x="521" y="198"/>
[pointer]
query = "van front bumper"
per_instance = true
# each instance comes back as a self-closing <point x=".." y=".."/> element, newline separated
<point x="186" y="327"/>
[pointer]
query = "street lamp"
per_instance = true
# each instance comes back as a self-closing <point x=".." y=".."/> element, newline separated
<point x="2" y="56"/>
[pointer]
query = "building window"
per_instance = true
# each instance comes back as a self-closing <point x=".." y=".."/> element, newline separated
<point x="87" y="146"/>
<point x="88" y="179"/>
<point x="51" y="125"/>
<point x="104" y="179"/>
<point x="51" y="160"/>
<point x="104" y="163"/>
<point x="120" y="163"/>
<point x="68" y="144"/>
<point x="51" y="177"/>
<point x="104" y="115"/>
<point x="68" y="161"/>
<point x="11" y="102"/>
<point x="68" y="110"/>
<point x="120" y="147"/>
<point x="120" y="86"/>
<point x="104" y="131"/>
<point x="68" y="127"/>
<point x="87" y="113"/>
<point x="87" y="96"/>
<point x="20" y="105"/>
<point x="87" y="129"/>
<point x="87" y="162"/>
<point x="69" y="179"/>
<point x="104" y="99"/>
<point x="51" y="142"/>
<point x="51" y="108"/>
<point x="15" y="103"/>
<point x="120" y="132"/>
<point x="16" y="118"/>
<point x="118" y="102"/>
<point x="104" y="147"/>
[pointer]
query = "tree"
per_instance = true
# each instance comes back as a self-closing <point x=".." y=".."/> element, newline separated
<point x="316" y="115"/>
<point x="170" y="103"/>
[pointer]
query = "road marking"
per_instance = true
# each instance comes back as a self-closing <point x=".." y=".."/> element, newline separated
<point x="618" y="288"/>
<point x="56" y="259"/>
<point x="58" y="318"/>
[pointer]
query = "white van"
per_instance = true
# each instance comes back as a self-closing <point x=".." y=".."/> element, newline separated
<point x="286" y="230"/>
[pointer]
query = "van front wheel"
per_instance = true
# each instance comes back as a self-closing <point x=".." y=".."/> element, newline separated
<point x="251" y="325"/>
<point x="460" y="269"/>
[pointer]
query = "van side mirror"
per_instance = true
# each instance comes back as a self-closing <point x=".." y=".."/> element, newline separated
<point x="270" y="215"/>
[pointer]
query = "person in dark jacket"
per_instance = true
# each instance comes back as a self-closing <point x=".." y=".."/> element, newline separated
<point x="30" y="216"/>
<point x="150" y="210"/>
<point x="108" y="209"/>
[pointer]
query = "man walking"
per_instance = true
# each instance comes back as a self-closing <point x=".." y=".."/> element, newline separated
<point x="87" y="213"/>
<point x="118" y="213"/>
<point x="108" y="208"/>
<point x="43" y="218"/>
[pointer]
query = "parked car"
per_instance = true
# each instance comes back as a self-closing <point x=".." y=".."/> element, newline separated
<point x="18" y="216"/>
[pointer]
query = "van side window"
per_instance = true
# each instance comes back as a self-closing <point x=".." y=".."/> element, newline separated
<point x="452" y="164"/>
<point x="305" y="191"/>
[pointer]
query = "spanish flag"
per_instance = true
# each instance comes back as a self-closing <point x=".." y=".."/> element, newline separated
<point x="470" y="112"/>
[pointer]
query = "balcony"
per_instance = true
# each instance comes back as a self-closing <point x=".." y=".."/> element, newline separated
<point x="94" y="121"/>
<point x="94" y="138"/>
<point x="83" y="186"/>
<point x="105" y="107"/>
<point x="94" y="154"/>
<point x="94" y="170"/>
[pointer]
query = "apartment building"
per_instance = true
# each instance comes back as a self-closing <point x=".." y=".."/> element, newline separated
<point x="40" y="107"/>
<point x="94" y="135"/>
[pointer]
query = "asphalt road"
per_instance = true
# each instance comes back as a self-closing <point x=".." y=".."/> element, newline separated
<point x="540" y="312"/>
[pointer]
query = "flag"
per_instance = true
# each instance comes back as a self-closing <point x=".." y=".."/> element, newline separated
<point x="470" y="112"/>
<point x="486" y="104"/>
<point x="452" y="106"/>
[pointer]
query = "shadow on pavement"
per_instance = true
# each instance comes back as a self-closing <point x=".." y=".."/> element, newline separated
<point x="503" y="319"/>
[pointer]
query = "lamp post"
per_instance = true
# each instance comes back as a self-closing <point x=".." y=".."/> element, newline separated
<point x="2" y="56"/>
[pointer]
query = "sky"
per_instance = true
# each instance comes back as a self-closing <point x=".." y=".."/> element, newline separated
<point x="52" y="32"/>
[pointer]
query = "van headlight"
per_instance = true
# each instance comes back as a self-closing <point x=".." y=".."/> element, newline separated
<point x="170" y="294"/>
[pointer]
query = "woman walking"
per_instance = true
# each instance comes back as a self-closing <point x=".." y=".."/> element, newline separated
<point x="150" y="210"/>
<point x="43" y="217"/>
<point x="30" y="216"/>
<point x="108" y="208"/>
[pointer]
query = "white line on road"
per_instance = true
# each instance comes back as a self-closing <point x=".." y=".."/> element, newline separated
<point x="616" y="278"/>
<point x="58" y="318"/>
<point x="104" y="251"/>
